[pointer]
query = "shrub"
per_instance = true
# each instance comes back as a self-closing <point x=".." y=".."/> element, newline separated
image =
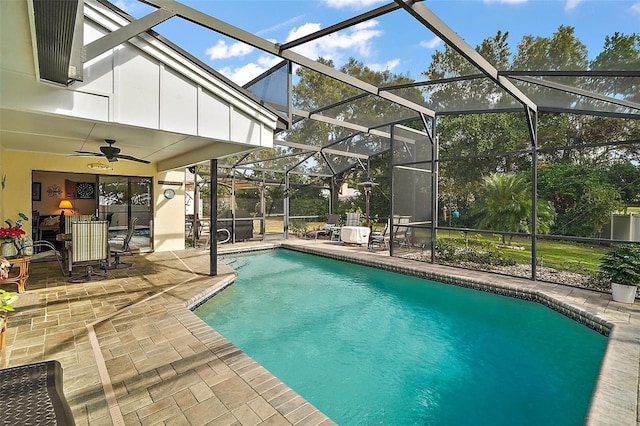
<point x="621" y="264"/>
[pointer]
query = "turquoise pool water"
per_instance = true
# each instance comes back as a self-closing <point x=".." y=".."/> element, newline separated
<point x="372" y="347"/>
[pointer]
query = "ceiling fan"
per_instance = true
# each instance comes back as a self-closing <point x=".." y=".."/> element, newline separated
<point x="111" y="153"/>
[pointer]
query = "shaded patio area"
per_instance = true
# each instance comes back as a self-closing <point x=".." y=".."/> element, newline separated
<point x="133" y="352"/>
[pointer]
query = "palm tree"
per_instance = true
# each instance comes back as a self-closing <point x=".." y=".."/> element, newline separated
<point x="504" y="204"/>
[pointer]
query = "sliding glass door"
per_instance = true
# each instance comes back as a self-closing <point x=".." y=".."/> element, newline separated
<point x="121" y="198"/>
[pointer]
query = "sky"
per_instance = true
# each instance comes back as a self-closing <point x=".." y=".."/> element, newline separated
<point x="395" y="42"/>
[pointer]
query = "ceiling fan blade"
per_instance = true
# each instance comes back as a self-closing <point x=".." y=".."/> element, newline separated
<point x="85" y="154"/>
<point x="111" y="153"/>
<point x="95" y="154"/>
<point x="130" y="158"/>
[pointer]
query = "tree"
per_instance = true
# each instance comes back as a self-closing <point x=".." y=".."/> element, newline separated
<point x="315" y="91"/>
<point x="504" y="204"/>
<point x="468" y="93"/>
<point x="620" y="52"/>
<point x="563" y="51"/>
<point x="471" y="145"/>
<point x="626" y="178"/>
<point x="581" y="195"/>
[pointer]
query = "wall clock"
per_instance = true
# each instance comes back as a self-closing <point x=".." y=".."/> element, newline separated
<point x="169" y="193"/>
<point x="85" y="190"/>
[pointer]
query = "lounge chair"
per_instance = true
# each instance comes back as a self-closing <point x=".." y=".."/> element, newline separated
<point x="331" y="222"/>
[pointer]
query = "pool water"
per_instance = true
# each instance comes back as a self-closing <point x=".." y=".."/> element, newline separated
<point x="366" y="346"/>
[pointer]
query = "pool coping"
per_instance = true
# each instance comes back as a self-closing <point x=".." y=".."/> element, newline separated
<point x="615" y="397"/>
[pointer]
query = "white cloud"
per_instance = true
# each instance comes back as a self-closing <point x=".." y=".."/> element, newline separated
<point x="431" y="44"/>
<point x="355" y="41"/>
<point x="352" y="4"/>
<point x="635" y="9"/>
<point x="572" y="4"/>
<point x="506" y="1"/>
<point x="335" y="46"/>
<point x="224" y="51"/>
<point x="388" y="66"/>
<point x="248" y="72"/>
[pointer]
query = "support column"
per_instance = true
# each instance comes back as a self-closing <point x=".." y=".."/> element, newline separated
<point x="213" y="215"/>
<point x="435" y="156"/>
<point x="286" y="206"/>
<point x="532" y="121"/>
<point x="392" y="230"/>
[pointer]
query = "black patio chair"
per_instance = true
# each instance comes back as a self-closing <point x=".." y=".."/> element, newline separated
<point x="119" y="246"/>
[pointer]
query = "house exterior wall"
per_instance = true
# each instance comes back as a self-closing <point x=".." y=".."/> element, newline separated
<point x="2" y="177"/>
<point x="143" y="84"/>
<point x="169" y="220"/>
<point x="131" y="87"/>
<point x="168" y="214"/>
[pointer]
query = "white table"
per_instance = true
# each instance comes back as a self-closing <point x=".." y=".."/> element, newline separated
<point x="355" y="234"/>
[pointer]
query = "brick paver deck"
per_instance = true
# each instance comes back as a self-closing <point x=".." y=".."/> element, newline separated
<point x="134" y="354"/>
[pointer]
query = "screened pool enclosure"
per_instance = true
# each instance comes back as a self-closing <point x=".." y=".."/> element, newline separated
<point x="494" y="150"/>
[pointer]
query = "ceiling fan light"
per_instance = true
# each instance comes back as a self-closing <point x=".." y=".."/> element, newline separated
<point x="99" y="166"/>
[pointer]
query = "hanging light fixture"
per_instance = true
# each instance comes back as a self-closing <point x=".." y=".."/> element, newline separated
<point x="99" y="166"/>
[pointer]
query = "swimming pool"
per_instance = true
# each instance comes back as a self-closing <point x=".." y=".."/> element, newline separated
<point x="367" y="346"/>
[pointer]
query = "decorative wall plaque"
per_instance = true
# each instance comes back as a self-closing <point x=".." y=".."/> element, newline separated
<point x="85" y="190"/>
<point x="54" y="191"/>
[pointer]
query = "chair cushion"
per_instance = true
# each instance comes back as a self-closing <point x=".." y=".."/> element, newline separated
<point x="51" y="221"/>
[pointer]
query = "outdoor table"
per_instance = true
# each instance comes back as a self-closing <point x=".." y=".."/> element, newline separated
<point x="23" y="275"/>
<point x="355" y="234"/>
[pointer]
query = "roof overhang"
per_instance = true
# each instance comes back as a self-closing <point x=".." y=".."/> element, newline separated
<point x="37" y="62"/>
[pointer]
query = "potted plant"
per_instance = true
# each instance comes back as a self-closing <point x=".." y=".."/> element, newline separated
<point x="621" y="266"/>
<point x="11" y="236"/>
<point x="6" y="301"/>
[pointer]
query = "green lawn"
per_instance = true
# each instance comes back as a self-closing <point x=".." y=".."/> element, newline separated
<point x="561" y="255"/>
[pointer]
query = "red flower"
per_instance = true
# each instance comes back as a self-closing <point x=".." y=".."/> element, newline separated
<point x="11" y="233"/>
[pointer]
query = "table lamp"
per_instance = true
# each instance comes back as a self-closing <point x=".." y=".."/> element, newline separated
<point x="65" y="204"/>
